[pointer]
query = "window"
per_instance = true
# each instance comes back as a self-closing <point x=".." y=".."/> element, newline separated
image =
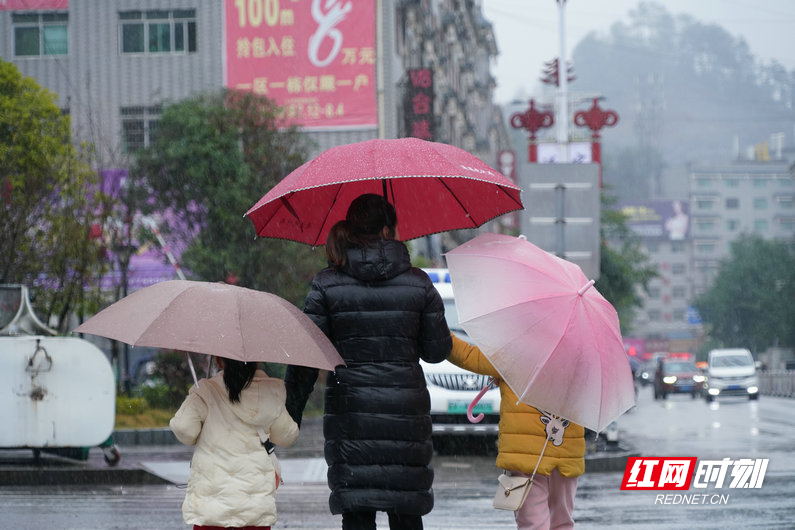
<point x="706" y="267"/>
<point x="158" y="31"/>
<point x="705" y="248"/>
<point x="760" y="182"/>
<point x="654" y="292"/>
<point x="760" y="225"/>
<point x="678" y="269"/>
<point x="652" y="247"/>
<point x="705" y="225"/>
<point x="679" y="315"/>
<point x="732" y="225"/>
<point x="655" y="315"/>
<point x="139" y="126"/>
<point x="732" y="183"/>
<point x="703" y="182"/>
<point x="704" y="204"/>
<point x="40" y="34"/>
<point x="732" y="203"/>
<point x="678" y="292"/>
<point x="760" y="203"/>
<point x="677" y="246"/>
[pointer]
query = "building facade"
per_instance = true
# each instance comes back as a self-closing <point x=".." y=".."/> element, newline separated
<point x="725" y="201"/>
<point x="746" y="197"/>
<point x="118" y="62"/>
<point x="114" y="64"/>
<point x="665" y="231"/>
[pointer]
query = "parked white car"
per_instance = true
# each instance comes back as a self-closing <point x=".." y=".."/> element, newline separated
<point x="452" y="388"/>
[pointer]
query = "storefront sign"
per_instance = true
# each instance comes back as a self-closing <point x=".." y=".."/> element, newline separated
<point x="419" y="104"/>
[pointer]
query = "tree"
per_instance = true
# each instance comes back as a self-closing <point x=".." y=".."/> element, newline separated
<point x="47" y="204"/>
<point x="624" y="267"/>
<point x="751" y="302"/>
<point x="213" y="157"/>
<point x="633" y="170"/>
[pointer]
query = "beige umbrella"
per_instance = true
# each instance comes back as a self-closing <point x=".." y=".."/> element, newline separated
<point x="216" y="319"/>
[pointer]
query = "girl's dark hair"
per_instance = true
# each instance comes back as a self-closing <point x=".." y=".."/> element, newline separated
<point x="237" y="376"/>
<point x="367" y="216"/>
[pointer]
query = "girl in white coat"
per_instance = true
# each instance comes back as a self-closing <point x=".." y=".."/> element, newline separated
<point x="233" y="480"/>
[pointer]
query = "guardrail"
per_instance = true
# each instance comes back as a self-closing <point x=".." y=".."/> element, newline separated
<point x="779" y="383"/>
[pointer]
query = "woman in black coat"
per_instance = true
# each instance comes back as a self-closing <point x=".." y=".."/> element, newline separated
<point x="383" y="315"/>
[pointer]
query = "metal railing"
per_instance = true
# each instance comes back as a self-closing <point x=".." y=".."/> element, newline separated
<point x="779" y="383"/>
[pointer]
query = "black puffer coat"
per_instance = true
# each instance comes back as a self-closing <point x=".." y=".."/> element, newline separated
<point x="383" y="316"/>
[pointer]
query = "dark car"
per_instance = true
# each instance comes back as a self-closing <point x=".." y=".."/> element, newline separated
<point x="677" y="376"/>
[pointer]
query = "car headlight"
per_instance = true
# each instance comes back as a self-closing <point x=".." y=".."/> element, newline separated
<point x="669" y="379"/>
<point x="699" y="378"/>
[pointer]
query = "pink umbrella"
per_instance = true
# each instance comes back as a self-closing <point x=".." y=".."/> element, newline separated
<point x="434" y="187"/>
<point x="216" y="319"/>
<point x="549" y="333"/>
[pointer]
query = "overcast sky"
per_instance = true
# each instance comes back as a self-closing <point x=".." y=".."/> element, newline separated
<point x="527" y="31"/>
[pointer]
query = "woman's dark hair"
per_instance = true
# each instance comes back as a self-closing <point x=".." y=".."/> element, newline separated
<point x="367" y="216"/>
<point x="237" y="376"/>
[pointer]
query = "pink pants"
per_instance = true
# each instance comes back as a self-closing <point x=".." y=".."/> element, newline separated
<point x="549" y="504"/>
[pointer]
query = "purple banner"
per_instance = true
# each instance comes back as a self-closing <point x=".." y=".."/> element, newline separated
<point x="667" y="220"/>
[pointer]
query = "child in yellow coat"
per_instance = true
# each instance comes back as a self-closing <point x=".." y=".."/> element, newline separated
<point x="523" y="431"/>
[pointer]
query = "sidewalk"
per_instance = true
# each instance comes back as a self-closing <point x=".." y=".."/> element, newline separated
<point x="155" y="457"/>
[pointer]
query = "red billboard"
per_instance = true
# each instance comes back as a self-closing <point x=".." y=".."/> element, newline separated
<point x="33" y="5"/>
<point x="314" y="58"/>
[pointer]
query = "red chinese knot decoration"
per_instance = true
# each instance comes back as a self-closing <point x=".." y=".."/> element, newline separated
<point x="595" y="118"/>
<point x="532" y="120"/>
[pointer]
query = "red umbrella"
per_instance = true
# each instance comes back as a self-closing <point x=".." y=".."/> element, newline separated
<point x="434" y="187"/>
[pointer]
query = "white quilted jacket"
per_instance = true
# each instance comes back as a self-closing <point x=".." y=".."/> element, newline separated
<point x="232" y="478"/>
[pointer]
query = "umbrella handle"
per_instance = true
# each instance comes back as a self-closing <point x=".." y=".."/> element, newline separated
<point x="479" y="417"/>
<point x="192" y="369"/>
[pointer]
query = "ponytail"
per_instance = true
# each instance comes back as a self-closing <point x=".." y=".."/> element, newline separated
<point x="237" y="376"/>
<point x="364" y="222"/>
<point x="337" y="243"/>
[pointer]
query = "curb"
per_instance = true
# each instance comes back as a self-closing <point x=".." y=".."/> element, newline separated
<point x="159" y="436"/>
<point x="61" y="477"/>
<point x="609" y="461"/>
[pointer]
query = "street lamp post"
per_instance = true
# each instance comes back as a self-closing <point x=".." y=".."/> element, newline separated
<point x="563" y="82"/>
